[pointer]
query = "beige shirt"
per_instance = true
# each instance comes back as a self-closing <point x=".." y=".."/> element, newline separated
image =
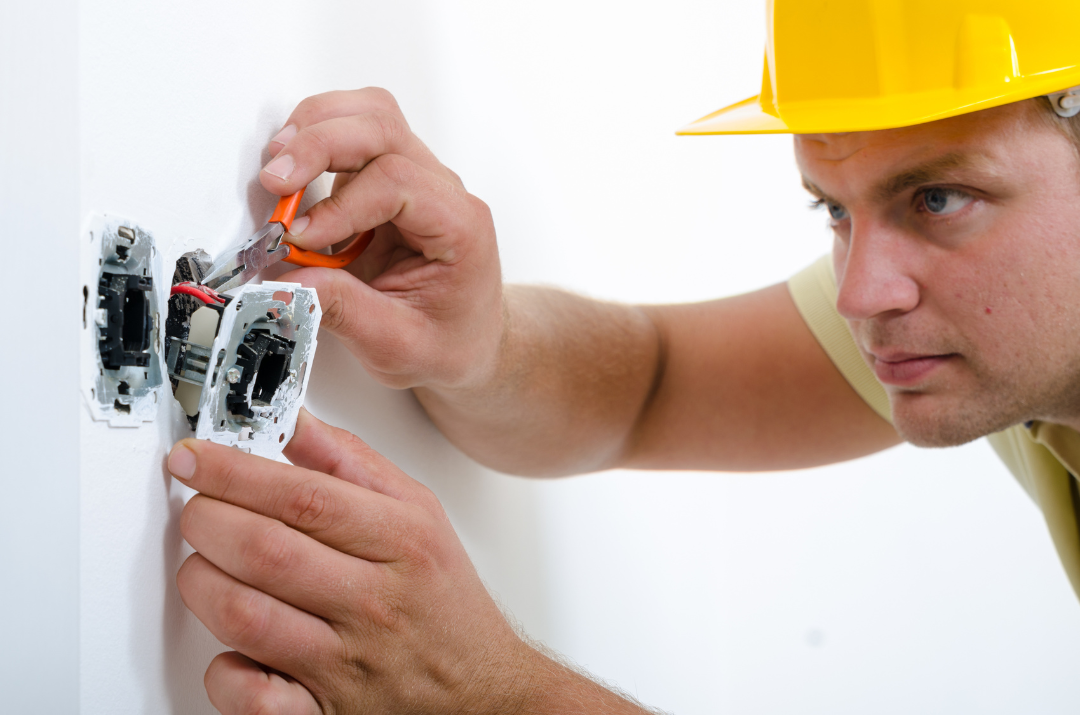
<point x="1042" y="456"/>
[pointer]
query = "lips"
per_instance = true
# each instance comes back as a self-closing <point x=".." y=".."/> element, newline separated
<point x="907" y="369"/>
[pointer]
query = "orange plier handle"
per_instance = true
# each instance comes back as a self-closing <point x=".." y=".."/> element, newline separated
<point x="285" y="213"/>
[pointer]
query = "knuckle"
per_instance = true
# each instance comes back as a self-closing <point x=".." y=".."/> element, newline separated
<point x="183" y="575"/>
<point x="480" y="208"/>
<point x="423" y="541"/>
<point x="309" y="506"/>
<point x="395" y="168"/>
<point x="314" y="141"/>
<point x="454" y="177"/>
<point x="382" y="98"/>
<point x="354" y="446"/>
<point x="187" y="517"/>
<point x="230" y="473"/>
<point x="334" y="316"/>
<point x="335" y="217"/>
<point x="243" y="618"/>
<point x="313" y="107"/>
<point x="349" y="452"/>
<point x="270" y="552"/>
<point x="390" y="127"/>
<point x="340" y="314"/>
<point x="338" y="206"/>
<point x="429" y="501"/>
<point x="310" y="104"/>
<point x="384" y="611"/>
<point x="212" y="677"/>
<point x="262" y="700"/>
<point x="261" y="703"/>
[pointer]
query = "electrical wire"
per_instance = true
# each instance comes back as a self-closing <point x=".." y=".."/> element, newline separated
<point x="201" y="292"/>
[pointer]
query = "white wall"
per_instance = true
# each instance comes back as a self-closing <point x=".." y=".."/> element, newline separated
<point x="913" y="581"/>
<point x="176" y="108"/>
<point x="39" y="522"/>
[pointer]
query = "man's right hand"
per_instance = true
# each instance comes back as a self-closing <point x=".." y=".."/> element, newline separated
<point x="423" y="305"/>
<point x="535" y="381"/>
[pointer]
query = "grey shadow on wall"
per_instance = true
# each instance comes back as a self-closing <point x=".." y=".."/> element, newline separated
<point x="254" y="154"/>
<point x="496" y="516"/>
<point x="189" y="646"/>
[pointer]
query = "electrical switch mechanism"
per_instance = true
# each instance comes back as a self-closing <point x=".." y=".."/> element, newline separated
<point x="121" y="343"/>
<point x="237" y="354"/>
<point x="239" y="362"/>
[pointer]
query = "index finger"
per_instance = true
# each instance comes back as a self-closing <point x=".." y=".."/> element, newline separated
<point x="338" y="103"/>
<point x="339" y="514"/>
<point x="352" y="104"/>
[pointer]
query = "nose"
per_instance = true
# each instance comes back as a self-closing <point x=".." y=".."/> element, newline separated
<point x="871" y="274"/>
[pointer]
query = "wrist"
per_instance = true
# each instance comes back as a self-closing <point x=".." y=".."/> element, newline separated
<point x="485" y="366"/>
<point x="543" y="686"/>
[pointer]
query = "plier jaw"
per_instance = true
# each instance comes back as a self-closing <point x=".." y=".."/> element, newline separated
<point x="239" y="265"/>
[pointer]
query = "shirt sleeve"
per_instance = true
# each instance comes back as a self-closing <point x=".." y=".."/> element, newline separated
<point x="814" y="292"/>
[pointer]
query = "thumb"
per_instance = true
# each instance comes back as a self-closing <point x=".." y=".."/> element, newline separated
<point x="381" y="331"/>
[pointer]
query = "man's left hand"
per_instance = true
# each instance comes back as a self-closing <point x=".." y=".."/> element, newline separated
<point x="342" y="585"/>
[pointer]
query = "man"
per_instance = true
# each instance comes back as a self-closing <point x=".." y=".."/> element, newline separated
<point x="939" y="139"/>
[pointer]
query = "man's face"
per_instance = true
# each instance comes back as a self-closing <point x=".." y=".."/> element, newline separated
<point x="957" y="255"/>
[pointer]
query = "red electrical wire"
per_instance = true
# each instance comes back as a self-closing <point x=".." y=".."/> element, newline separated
<point x="201" y="292"/>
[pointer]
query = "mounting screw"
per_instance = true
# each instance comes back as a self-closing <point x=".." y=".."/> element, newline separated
<point x="233" y="375"/>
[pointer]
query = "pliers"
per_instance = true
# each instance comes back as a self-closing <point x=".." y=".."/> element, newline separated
<point x="242" y="262"/>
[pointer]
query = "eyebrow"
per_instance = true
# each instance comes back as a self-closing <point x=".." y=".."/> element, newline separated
<point x="920" y="175"/>
<point x="814" y="190"/>
<point x="927" y="172"/>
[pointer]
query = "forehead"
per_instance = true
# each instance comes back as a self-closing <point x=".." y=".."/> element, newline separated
<point x="847" y="162"/>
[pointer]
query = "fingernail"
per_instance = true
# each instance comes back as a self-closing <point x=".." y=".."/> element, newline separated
<point x="299" y="225"/>
<point x="182" y="462"/>
<point x="285" y="135"/>
<point x="281" y="166"/>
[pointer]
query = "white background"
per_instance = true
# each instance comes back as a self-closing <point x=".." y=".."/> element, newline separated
<point x="914" y="581"/>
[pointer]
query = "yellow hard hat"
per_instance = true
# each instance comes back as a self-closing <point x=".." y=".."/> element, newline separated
<point x="850" y="65"/>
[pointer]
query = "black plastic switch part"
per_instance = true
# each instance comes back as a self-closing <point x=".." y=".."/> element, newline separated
<point x="125" y="338"/>
<point x="264" y="361"/>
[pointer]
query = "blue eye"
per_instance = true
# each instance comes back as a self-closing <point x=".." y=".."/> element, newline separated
<point x="836" y="211"/>
<point x="944" y="201"/>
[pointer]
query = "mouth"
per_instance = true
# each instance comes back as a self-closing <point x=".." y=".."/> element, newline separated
<point x="907" y="369"/>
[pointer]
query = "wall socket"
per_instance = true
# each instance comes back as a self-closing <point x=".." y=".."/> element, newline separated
<point x="121" y="366"/>
<point x="237" y="364"/>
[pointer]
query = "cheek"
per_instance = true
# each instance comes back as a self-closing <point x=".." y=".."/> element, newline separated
<point x="1013" y="304"/>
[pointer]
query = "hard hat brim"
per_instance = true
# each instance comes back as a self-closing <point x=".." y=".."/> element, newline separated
<point x="752" y="117"/>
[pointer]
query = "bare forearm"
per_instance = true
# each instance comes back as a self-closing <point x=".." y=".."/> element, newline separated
<point x="555" y="689"/>
<point x="572" y="377"/>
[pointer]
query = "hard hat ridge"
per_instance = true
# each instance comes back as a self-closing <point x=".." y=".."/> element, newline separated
<point x="852" y="65"/>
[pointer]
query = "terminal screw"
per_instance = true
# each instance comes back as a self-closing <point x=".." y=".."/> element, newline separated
<point x="233" y="375"/>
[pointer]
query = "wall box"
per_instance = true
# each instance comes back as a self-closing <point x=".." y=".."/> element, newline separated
<point x="120" y="348"/>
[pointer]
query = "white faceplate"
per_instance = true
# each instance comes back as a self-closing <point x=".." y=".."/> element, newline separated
<point x="98" y="244"/>
<point x="298" y="313"/>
